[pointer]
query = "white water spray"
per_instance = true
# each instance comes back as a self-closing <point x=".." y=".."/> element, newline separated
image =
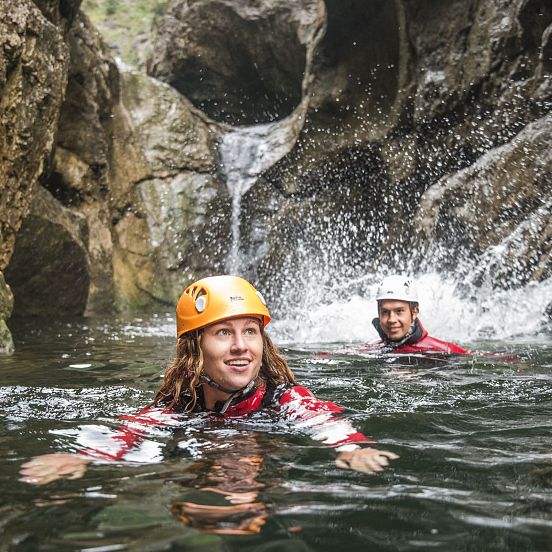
<point x="446" y="310"/>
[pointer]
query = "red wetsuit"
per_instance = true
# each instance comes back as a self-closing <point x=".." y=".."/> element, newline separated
<point x="308" y="413"/>
<point x="416" y="341"/>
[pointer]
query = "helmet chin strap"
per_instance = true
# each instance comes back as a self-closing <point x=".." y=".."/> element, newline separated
<point x="233" y="393"/>
<point x="212" y="383"/>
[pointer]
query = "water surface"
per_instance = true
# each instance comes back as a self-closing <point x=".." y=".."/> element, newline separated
<point x="473" y="433"/>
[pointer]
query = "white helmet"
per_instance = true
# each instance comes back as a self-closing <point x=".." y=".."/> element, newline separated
<point x="400" y="288"/>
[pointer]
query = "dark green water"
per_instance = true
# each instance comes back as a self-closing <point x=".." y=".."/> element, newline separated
<point x="474" y="436"/>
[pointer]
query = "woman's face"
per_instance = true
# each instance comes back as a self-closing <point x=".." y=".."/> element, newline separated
<point x="232" y="351"/>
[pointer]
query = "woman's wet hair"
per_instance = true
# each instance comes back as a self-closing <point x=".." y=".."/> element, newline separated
<point x="182" y="378"/>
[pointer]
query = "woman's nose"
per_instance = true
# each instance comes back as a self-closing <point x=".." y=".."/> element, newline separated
<point x="238" y="343"/>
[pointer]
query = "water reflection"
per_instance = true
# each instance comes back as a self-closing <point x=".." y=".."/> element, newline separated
<point x="227" y="487"/>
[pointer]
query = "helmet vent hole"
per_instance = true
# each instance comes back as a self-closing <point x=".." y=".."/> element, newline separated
<point x="200" y="300"/>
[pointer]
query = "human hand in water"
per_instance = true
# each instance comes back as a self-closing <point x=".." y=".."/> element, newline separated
<point x="365" y="460"/>
<point x="49" y="467"/>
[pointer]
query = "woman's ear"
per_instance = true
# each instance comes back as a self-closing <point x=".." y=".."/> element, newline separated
<point x="415" y="310"/>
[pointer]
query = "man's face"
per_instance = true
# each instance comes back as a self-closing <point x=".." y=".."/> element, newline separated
<point x="395" y="318"/>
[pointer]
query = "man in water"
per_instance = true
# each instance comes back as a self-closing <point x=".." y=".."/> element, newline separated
<point x="398" y="324"/>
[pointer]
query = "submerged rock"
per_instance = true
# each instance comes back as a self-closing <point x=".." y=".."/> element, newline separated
<point x="541" y="476"/>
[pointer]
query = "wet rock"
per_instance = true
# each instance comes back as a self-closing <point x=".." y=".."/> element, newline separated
<point x="293" y="242"/>
<point x="541" y="476"/>
<point x="432" y="87"/>
<point x="179" y="219"/>
<point x="546" y="51"/>
<point x="33" y="75"/>
<point x="359" y="79"/>
<point x="239" y="62"/>
<point x="499" y="209"/>
<point x="49" y="271"/>
<point x="6" y="306"/>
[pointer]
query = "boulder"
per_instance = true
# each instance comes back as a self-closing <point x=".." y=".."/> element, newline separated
<point x="49" y="269"/>
<point x="495" y="214"/>
<point x="179" y="216"/>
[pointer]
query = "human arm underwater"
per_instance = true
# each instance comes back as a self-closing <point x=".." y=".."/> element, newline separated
<point x="318" y="418"/>
<point x="45" y="468"/>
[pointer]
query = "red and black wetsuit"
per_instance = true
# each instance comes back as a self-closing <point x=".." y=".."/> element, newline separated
<point x="318" y="418"/>
<point x="416" y="340"/>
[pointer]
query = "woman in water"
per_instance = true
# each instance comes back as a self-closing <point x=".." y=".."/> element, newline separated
<point x="226" y="366"/>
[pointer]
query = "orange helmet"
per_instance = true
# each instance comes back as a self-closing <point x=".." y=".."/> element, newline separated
<point x="217" y="298"/>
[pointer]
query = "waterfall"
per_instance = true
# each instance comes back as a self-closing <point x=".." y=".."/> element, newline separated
<point x="245" y="153"/>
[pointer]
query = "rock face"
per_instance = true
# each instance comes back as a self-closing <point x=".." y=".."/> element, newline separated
<point x="33" y="75"/>
<point x="183" y="209"/>
<point x="239" y="62"/>
<point x="100" y="234"/>
<point x="454" y="80"/>
<point x="512" y="186"/>
<point x="408" y="126"/>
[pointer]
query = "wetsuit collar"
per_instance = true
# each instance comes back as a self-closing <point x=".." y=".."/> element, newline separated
<point x="414" y="334"/>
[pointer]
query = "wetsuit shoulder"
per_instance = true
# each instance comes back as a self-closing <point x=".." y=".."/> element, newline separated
<point x="428" y="343"/>
<point x="299" y="395"/>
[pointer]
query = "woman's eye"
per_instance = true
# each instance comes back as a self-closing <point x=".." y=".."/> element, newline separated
<point x="223" y="331"/>
<point x="251" y="331"/>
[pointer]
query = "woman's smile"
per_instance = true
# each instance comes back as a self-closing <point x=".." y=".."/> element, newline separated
<point x="239" y="364"/>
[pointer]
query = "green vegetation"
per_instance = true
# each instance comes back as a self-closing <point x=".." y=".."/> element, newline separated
<point x="125" y="25"/>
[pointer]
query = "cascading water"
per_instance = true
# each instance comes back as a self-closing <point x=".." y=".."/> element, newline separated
<point x="323" y="286"/>
<point x="245" y="152"/>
